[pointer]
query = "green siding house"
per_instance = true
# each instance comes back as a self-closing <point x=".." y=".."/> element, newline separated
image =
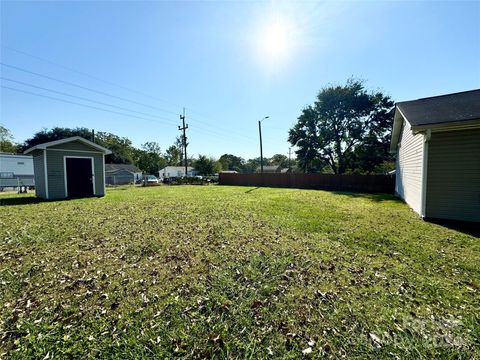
<point x="68" y="168"/>
<point x="437" y="143"/>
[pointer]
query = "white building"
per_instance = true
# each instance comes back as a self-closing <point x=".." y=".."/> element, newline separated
<point x="176" y="171"/>
<point x="16" y="170"/>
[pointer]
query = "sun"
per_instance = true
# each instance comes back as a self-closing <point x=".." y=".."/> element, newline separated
<point x="275" y="39"/>
<point x="275" y="42"/>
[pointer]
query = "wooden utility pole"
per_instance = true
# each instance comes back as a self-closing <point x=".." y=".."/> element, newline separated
<point x="261" y="150"/>
<point x="184" y="128"/>
<point x="289" y="155"/>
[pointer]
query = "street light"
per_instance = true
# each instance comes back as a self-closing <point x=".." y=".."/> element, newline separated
<point x="261" y="150"/>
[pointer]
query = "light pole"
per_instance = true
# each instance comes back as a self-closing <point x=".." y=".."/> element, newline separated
<point x="261" y="150"/>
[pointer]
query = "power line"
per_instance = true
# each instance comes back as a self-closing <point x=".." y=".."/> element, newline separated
<point x="199" y="129"/>
<point x="86" y="88"/>
<point x="79" y="104"/>
<point x="88" y="75"/>
<point x="81" y="98"/>
<point x="117" y="85"/>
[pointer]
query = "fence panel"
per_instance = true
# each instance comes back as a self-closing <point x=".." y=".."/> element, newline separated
<point x="349" y="183"/>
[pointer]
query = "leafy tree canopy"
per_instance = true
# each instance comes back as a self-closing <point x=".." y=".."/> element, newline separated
<point x="231" y="162"/>
<point x="347" y="129"/>
<point x="6" y="141"/>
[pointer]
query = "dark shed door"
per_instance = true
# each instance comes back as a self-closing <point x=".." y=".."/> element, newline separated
<point x="79" y="177"/>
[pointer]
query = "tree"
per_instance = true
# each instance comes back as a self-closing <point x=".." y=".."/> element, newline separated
<point x="121" y="147"/>
<point x="150" y="158"/>
<point x="279" y="160"/>
<point x="6" y="141"/>
<point x="173" y="156"/>
<point x="231" y="162"/>
<point x="344" y="126"/>
<point x="252" y="165"/>
<point x="204" y="165"/>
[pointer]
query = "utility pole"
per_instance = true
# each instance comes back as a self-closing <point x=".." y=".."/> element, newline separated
<point x="289" y="161"/>
<point x="185" y="127"/>
<point x="261" y="150"/>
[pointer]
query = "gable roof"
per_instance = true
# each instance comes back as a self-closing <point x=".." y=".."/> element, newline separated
<point x="67" y="140"/>
<point x="117" y="167"/>
<point x="448" y="108"/>
<point x="458" y="109"/>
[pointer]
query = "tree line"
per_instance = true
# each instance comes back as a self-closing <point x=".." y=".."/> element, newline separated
<point x="346" y="130"/>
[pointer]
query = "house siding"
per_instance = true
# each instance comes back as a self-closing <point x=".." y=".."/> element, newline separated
<point x="409" y="165"/>
<point x="39" y="173"/>
<point x="453" y="180"/>
<point x="56" y="175"/>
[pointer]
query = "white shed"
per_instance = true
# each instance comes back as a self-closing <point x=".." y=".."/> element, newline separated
<point x="437" y="142"/>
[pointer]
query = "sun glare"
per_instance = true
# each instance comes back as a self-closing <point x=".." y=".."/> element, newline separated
<point x="275" y="43"/>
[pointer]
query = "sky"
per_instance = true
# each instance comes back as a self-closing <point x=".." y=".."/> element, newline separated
<point x="130" y="68"/>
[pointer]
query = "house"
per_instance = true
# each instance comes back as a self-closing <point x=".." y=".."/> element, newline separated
<point x="119" y="174"/>
<point x="176" y="171"/>
<point x="437" y="142"/>
<point x="271" y="169"/>
<point x="16" y="171"/>
<point x="67" y="168"/>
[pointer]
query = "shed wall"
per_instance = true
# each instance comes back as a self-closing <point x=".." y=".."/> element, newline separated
<point x="453" y="180"/>
<point x="56" y="174"/>
<point x="39" y="173"/>
<point x="409" y="165"/>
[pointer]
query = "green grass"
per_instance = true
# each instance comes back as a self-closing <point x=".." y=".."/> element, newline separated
<point x="237" y="272"/>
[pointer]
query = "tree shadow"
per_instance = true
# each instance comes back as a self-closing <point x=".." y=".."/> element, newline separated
<point x="466" y="227"/>
<point x="369" y="196"/>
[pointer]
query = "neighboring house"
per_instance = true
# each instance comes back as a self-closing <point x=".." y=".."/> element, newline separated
<point x="67" y="168"/>
<point x="16" y="170"/>
<point x="437" y="142"/>
<point x="119" y="174"/>
<point x="176" y="171"/>
<point x="271" y="169"/>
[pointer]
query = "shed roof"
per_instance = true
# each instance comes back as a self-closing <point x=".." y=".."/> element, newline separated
<point x="67" y="140"/>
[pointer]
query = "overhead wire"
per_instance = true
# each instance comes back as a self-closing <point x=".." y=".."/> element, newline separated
<point x="122" y="87"/>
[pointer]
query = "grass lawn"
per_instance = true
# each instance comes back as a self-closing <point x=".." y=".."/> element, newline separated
<point x="206" y="272"/>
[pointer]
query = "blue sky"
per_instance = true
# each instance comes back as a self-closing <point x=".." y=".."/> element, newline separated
<point x="228" y="63"/>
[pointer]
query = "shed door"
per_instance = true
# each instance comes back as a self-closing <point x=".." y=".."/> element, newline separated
<point x="79" y="177"/>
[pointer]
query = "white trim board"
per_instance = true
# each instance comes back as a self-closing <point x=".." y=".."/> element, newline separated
<point x="82" y="151"/>
<point x="45" y="168"/>
<point x="65" y="171"/>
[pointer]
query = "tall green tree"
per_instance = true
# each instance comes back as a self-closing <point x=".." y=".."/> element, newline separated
<point x="6" y="141"/>
<point x="343" y="127"/>
<point x="205" y="165"/>
<point x="279" y="160"/>
<point x="232" y="162"/>
<point x="150" y="158"/>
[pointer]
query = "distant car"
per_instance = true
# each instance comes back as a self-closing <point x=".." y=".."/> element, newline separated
<point x="151" y="179"/>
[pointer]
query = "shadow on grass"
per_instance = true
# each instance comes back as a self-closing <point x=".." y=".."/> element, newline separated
<point x="466" y="227"/>
<point x="372" y="197"/>
<point x="249" y="191"/>
<point x="24" y="200"/>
